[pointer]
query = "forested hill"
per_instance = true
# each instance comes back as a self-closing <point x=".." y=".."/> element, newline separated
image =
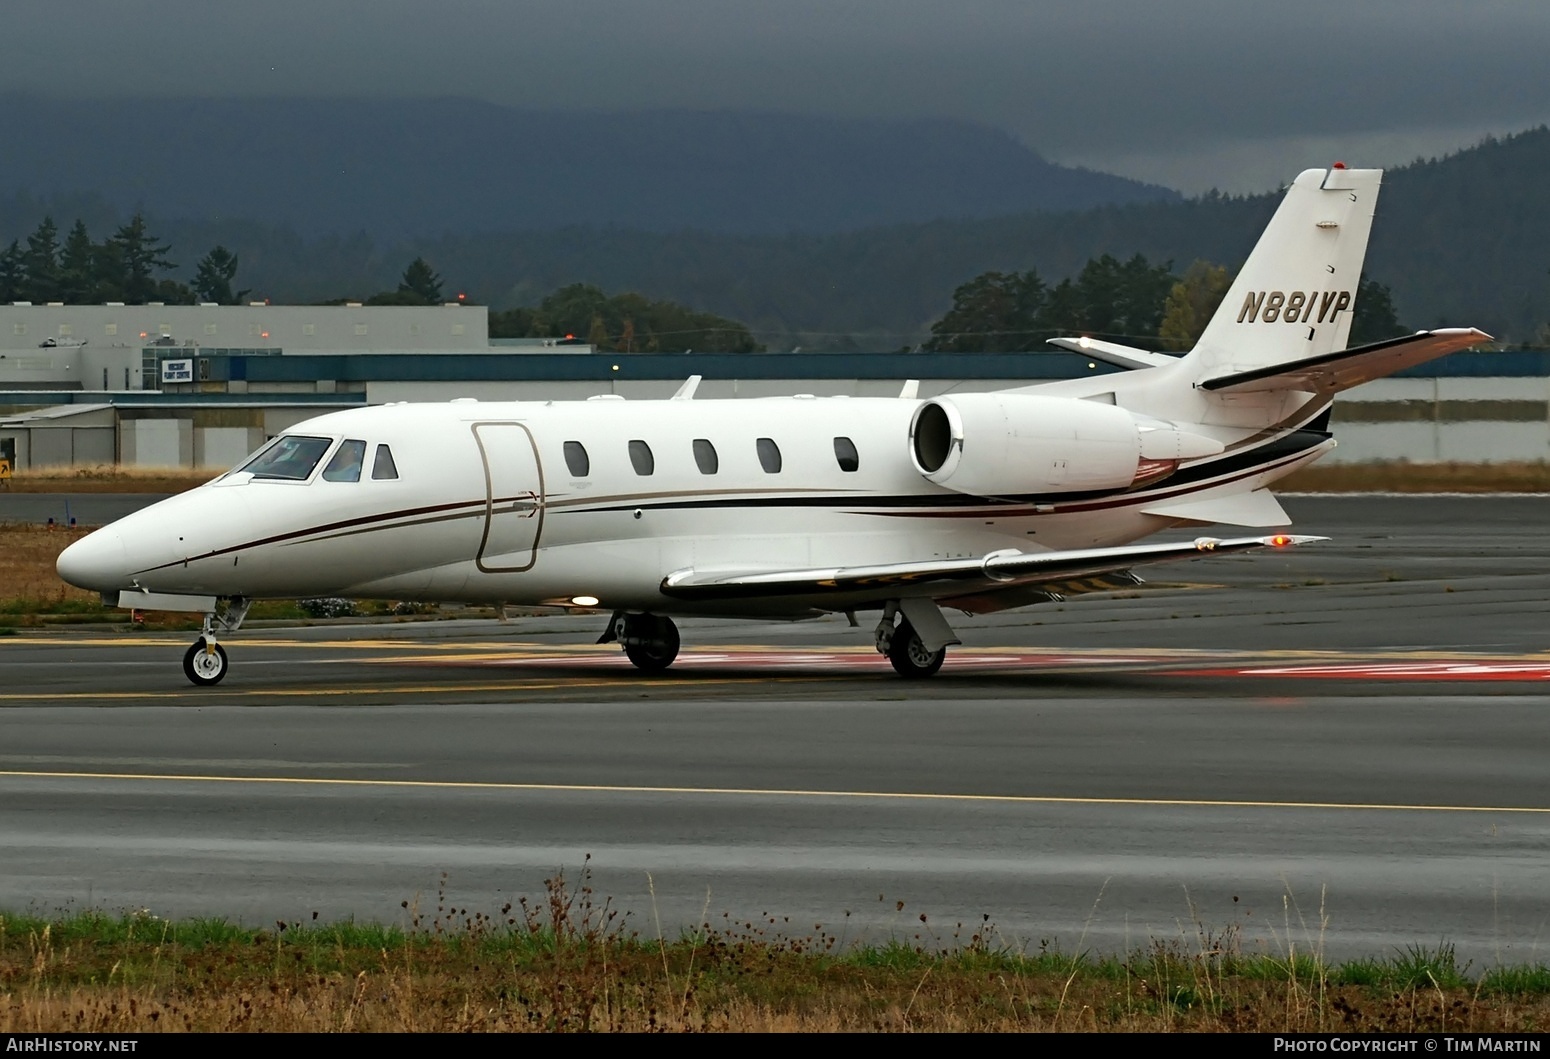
<point x="396" y="168"/>
<point x="1463" y="240"/>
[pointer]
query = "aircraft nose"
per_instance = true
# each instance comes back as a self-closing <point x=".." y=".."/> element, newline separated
<point x="99" y="561"/>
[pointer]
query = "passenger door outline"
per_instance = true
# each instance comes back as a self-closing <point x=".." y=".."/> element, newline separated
<point x="513" y="516"/>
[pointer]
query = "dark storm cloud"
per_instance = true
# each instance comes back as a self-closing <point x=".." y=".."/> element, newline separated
<point x="1122" y="80"/>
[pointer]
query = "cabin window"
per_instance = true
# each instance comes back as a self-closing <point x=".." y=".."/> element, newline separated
<point x="346" y="464"/>
<point x="769" y="455"/>
<point x="383" y="468"/>
<point x="641" y="458"/>
<point x="845" y="452"/>
<point x="705" y="456"/>
<point x="291" y="458"/>
<point x="576" y="459"/>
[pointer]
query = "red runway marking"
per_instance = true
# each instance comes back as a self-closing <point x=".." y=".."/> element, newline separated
<point x="959" y="660"/>
<point x="846" y="660"/>
<point x="1440" y="670"/>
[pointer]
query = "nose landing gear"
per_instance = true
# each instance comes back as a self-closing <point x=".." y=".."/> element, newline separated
<point x="650" y="641"/>
<point x="205" y="662"/>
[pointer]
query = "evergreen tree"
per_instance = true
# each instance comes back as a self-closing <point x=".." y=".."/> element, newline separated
<point x="108" y="279"/>
<point x="995" y="312"/>
<point x="41" y="261"/>
<point x="137" y="258"/>
<point x="13" y="274"/>
<point x="1122" y="301"/>
<point x="77" y="267"/>
<point x="214" y="275"/>
<point x="421" y="281"/>
<point x="1373" y="318"/>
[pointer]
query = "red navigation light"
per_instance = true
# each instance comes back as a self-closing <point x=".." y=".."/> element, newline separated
<point x="266" y="334"/>
<point x="461" y="296"/>
<point x="569" y="336"/>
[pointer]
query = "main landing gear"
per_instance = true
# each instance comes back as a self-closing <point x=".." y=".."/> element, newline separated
<point x="205" y="662"/>
<point x="914" y="636"/>
<point x="649" y="640"/>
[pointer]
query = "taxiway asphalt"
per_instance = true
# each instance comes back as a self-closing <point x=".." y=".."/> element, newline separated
<point x="1340" y="747"/>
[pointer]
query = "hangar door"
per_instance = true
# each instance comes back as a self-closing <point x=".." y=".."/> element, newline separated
<point x="513" y="498"/>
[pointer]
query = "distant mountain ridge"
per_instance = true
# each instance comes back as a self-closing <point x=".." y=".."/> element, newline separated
<point x="1462" y="240"/>
<point x="401" y="168"/>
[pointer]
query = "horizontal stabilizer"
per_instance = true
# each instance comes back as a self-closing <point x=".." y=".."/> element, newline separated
<point x="949" y="578"/>
<point x="1114" y="353"/>
<point x="1341" y="370"/>
<point x="1257" y="508"/>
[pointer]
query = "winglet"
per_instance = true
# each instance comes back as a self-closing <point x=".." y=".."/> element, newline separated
<point x="910" y="390"/>
<point x="686" y="391"/>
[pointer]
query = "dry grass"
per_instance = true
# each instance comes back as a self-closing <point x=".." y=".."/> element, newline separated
<point x="1399" y="476"/>
<point x="564" y="963"/>
<point x="111" y="479"/>
<point x="28" y="582"/>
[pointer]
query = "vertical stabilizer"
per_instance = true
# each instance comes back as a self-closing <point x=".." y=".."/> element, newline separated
<point x="1294" y="296"/>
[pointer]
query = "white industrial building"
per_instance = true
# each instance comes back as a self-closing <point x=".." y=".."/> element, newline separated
<point x="116" y="347"/>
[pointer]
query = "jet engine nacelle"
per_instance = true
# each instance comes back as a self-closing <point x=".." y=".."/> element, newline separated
<point x="1005" y="444"/>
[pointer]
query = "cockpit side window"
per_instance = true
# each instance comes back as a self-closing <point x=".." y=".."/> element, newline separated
<point x="346" y="464"/>
<point x="291" y="458"/>
<point x="383" y="468"/>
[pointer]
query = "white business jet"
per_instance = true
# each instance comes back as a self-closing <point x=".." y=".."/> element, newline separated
<point x="792" y="507"/>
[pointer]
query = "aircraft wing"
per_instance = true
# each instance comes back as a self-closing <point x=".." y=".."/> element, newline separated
<point x="1114" y="353"/>
<point x="1043" y="574"/>
<point x="1333" y="372"/>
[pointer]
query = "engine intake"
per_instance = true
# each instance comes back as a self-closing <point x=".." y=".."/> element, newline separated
<point x="1001" y="444"/>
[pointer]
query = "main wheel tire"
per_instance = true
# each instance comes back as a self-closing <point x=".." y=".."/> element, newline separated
<point x="202" y="667"/>
<point x="909" y="656"/>
<point x="662" y="647"/>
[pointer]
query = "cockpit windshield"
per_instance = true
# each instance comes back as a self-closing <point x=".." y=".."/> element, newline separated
<point x="291" y="458"/>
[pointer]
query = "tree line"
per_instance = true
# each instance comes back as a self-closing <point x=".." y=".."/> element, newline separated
<point x="1133" y="302"/>
<point x="126" y="267"/>
<point x="623" y="323"/>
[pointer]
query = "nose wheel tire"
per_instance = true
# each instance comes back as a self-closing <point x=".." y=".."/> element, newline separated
<point x="651" y="642"/>
<point x="909" y="656"/>
<point x="203" y="666"/>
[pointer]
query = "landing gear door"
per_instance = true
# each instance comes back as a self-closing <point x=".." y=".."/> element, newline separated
<point x="513" y="498"/>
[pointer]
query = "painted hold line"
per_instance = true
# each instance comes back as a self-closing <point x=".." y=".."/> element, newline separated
<point x="776" y="792"/>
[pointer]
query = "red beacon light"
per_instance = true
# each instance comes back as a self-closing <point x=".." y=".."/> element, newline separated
<point x="1339" y="165"/>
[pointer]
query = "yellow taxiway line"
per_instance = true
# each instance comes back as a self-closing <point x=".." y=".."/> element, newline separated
<point x="776" y="792"/>
<point x="215" y="696"/>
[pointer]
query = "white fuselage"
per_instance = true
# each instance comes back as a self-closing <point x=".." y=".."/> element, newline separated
<point x="488" y="505"/>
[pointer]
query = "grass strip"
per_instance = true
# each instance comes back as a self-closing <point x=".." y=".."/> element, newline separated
<point x="566" y="961"/>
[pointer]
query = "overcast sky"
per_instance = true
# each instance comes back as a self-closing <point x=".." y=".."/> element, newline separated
<point x="1189" y="93"/>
